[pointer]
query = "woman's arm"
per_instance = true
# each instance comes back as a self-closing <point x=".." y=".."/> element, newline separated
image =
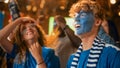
<point x="4" y="33"/>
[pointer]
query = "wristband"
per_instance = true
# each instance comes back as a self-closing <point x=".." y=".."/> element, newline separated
<point x="40" y="63"/>
<point x="65" y="27"/>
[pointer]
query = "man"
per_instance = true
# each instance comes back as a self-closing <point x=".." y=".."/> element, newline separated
<point x="92" y="52"/>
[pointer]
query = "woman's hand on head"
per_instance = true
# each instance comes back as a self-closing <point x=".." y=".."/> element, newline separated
<point x="23" y="19"/>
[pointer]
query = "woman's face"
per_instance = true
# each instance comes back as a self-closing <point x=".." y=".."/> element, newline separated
<point x="29" y="31"/>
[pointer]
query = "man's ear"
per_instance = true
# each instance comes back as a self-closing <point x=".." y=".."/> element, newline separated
<point x="98" y="22"/>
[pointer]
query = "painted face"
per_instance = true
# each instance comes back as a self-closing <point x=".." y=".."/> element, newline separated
<point x="83" y="22"/>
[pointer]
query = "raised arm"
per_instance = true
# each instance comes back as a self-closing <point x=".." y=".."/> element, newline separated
<point x="73" y="38"/>
<point x="60" y="21"/>
<point x="4" y="33"/>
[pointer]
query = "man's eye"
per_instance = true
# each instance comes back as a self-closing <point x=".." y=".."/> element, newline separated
<point x="83" y="15"/>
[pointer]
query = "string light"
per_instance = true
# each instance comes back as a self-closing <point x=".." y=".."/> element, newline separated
<point x="34" y="9"/>
<point x="6" y="1"/>
<point x="112" y="1"/>
<point x="119" y="13"/>
<point x="28" y="7"/>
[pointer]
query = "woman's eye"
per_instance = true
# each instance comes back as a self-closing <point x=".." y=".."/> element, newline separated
<point x="32" y="25"/>
<point x="23" y="28"/>
<point x="83" y="15"/>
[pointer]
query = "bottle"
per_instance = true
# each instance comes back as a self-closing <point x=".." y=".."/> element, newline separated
<point x="14" y="11"/>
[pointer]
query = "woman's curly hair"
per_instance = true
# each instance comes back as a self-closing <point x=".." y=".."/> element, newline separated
<point x="22" y="47"/>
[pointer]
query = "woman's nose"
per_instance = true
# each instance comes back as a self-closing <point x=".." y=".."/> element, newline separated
<point x="29" y="27"/>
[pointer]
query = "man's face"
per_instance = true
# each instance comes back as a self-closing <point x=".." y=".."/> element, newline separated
<point x="83" y="22"/>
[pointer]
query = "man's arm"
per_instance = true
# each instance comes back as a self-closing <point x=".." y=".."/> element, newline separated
<point x="73" y="38"/>
<point x="60" y="21"/>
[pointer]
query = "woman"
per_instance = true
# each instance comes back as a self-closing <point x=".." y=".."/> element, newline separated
<point x="29" y="50"/>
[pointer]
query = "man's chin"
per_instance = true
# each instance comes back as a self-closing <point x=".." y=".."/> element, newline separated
<point x="78" y="34"/>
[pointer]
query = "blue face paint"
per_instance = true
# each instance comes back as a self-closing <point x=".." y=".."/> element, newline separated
<point x="85" y="20"/>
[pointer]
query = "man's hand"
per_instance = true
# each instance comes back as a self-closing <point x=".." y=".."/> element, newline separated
<point x="60" y="21"/>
